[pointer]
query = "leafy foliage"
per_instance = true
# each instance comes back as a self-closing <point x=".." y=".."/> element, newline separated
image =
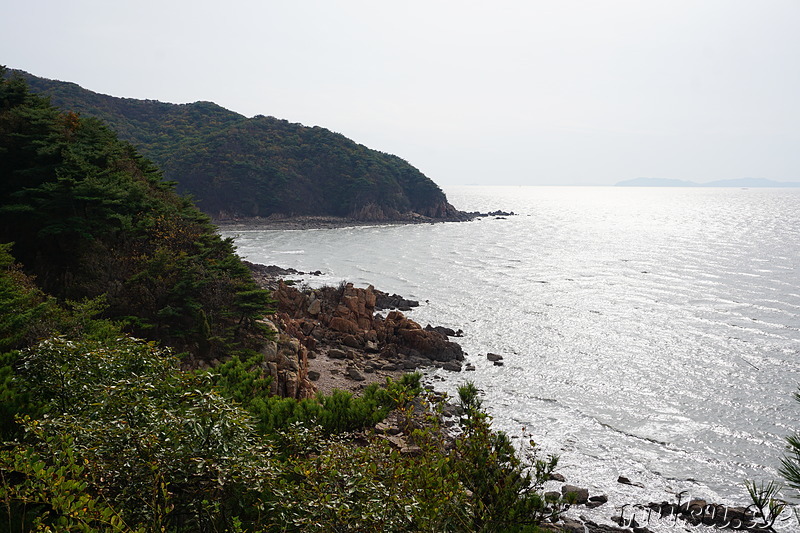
<point x="235" y="166"/>
<point x="24" y="310"/>
<point x="790" y="468"/>
<point x="506" y="490"/>
<point x="243" y="382"/>
<point x="129" y="442"/>
<point x="766" y="506"/>
<point x="110" y="434"/>
<point x="89" y="217"/>
<point x="371" y="488"/>
<point x="129" y="429"/>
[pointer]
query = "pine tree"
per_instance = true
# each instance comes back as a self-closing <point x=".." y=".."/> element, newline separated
<point x="90" y="217"/>
<point x="790" y="467"/>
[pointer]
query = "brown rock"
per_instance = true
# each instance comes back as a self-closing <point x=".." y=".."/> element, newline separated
<point x="336" y="354"/>
<point x="343" y="325"/>
<point x="290" y="384"/>
<point x="351" y="341"/>
<point x="582" y="495"/>
<point x="570" y="525"/>
<point x="354" y="374"/>
<point x="371" y="347"/>
<point x="370" y="297"/>
<point x="315" y="308"/>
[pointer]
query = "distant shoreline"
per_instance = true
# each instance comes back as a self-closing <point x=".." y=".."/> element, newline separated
<point x="755" y="183"/>
<point x="331" y="222"/>
<point x="315" y="222"/>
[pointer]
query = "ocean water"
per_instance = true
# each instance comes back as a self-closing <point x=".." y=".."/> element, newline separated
<point x="652" y="333"/>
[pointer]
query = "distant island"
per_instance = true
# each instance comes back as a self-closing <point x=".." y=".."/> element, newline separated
<point x="741" y="182"/>
<point x="235" y="167"/>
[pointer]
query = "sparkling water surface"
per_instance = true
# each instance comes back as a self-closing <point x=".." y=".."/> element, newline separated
<point x="647" y="332"/>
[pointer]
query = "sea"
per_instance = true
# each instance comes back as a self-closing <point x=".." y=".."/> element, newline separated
<point x="650" y="333"/>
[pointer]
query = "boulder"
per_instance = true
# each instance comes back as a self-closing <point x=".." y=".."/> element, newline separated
<point x="371" y="347"/>
<point x="385" y="301"/>
<point x="343" y="325"/>
<point x="286" y="361"/>
<point x="570" y="525"/>
<point x="354" y="374"/>
<point x="452" y="366"/>
<point x="345" y="316"/>
<point x="315" y="307"/>
<point x="337" y="354"/>
<point x="351" y="341"/>
<point x="582" y="495"/>
<point x="447" y="332"/>
<point x="625" y="481"/>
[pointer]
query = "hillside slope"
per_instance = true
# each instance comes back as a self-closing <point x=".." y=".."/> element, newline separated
<point x="89" y="218"/>
<point x="235" y="166"/>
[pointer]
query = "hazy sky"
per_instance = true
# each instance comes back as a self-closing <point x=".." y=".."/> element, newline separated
<point x="556" y="92"/>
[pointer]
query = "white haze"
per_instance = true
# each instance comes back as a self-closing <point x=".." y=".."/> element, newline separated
<point x="516" y="92"/>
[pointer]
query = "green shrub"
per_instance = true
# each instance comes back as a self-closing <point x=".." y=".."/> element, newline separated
<point x="336" y="485"/>
<point x="150" y="441"/>
<point x="244" y="381"/>
<point x="506" y="490"/>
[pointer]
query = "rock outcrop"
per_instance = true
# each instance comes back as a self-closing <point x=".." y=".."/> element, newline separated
<point x="286" y="361"/>
<point x="341" y="323"/>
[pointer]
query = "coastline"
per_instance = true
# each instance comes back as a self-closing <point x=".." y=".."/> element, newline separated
<point x="348" y="338"/>
<point x="352" y="369"/>
<point x="318" y="222"/>
<point x="332" y="222"/>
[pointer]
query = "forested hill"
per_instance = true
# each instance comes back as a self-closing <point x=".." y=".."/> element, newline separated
<point x="92" y="220"/>
<point x="235" y="166"/>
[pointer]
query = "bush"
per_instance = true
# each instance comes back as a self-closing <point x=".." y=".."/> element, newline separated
<point x="244" y="381"/>
<point x="506" y="491"/>
<point x="153" y="443"/>
<point x="129" y="442"/>
<point x="479" y="484"/>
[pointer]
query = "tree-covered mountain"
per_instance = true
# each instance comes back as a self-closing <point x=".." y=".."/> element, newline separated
<point x="234" y="166"/>
<point x="93" y="221"/>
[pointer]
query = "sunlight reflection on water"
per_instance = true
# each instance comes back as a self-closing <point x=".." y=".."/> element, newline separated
<point x="651" y="333"/>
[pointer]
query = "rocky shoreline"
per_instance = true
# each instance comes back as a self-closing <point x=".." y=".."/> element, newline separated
<point x="339" y="338"/>
<point x="279" y="222"/>
<point x="336" y="337"/>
